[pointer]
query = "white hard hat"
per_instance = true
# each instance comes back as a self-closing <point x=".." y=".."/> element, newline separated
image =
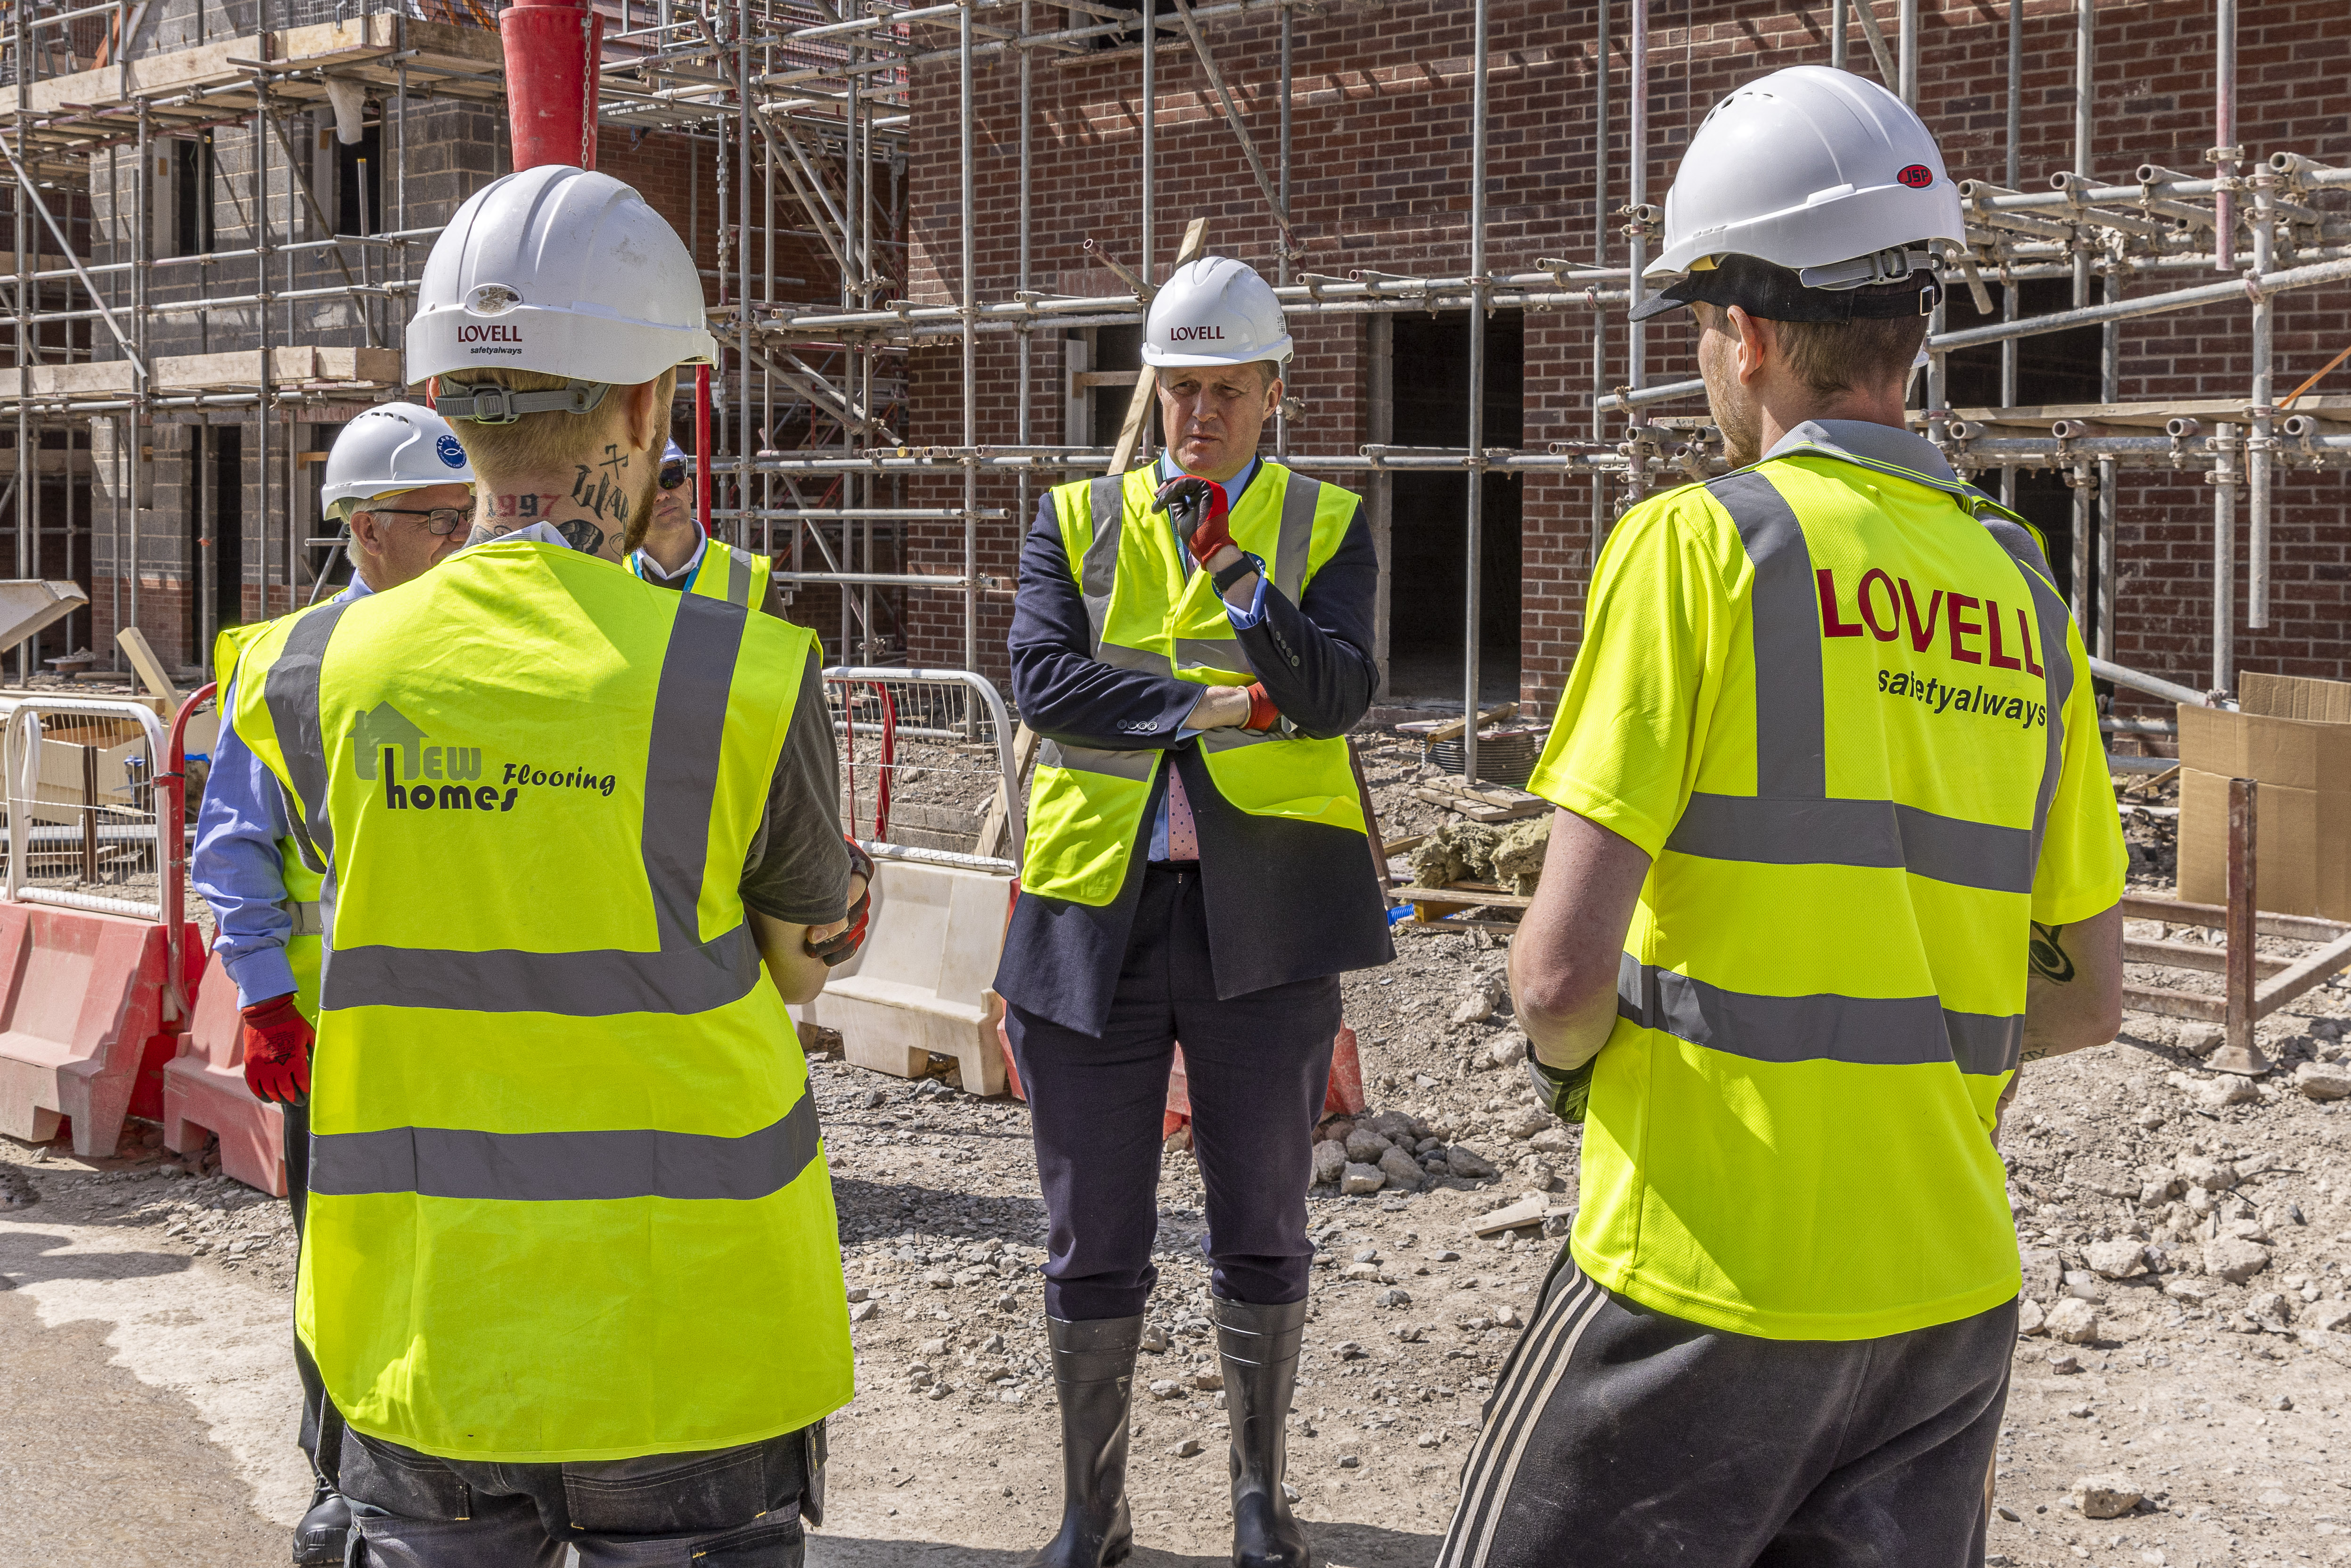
<point x="393" y="446"/>
<point x="1817" y="172"/>
<point x="1215" y="311"/>
<point x="564" y="272"/>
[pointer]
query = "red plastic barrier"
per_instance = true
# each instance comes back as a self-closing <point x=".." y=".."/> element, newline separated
<point x="81" y="999"/>
<point x="204" y="1092"/>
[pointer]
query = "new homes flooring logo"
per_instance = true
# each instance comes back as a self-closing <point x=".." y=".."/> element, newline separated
<point x="420" y="776"/>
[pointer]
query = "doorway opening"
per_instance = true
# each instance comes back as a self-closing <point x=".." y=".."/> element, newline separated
<point x="2054" y="370"/>
<point x="216" y="502"/>
<point x="1428" y="564"/>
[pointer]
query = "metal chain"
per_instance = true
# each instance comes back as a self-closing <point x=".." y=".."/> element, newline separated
<point x="588" y="66"/>
<point x="723" y="210"/>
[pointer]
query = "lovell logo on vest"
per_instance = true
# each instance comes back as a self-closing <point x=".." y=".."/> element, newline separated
<point x="385" y="742"/>
<point x="1888" y="606"/>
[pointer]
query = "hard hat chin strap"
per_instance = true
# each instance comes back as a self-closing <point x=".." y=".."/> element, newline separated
<point x="490" y="403"/>
<point x="1867" y="271"/>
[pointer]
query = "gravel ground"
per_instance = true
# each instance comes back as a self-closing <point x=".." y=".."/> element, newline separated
<point x="2184" y="1232"/>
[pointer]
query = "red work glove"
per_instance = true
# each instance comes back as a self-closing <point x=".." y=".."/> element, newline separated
<point x="1263" y="715"/>
<point x="277" y="1051"/>
<point x="1199" y="509"/>
<point x="841" y="946"/>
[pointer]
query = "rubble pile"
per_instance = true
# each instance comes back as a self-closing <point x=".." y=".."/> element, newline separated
<point x="1509" y="853"/>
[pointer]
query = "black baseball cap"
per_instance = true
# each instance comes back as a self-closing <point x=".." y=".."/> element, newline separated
<point x="1778" y="294"/>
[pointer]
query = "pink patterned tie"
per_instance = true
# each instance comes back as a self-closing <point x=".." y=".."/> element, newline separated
<point x="1183" y="836"/>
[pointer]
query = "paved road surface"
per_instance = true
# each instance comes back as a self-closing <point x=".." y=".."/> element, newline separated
<point x="147" y="1403"/>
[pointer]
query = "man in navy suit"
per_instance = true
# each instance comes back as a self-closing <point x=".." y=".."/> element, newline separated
<point x="1193" y="640"/>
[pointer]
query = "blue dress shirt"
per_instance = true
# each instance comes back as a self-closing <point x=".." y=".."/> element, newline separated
<point x="648" y="570"/>
<point x="236" y="865"/>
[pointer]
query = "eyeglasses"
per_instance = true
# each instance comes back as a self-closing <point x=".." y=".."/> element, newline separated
<point x="672" y="476"/>
<point x="440" y="522"/>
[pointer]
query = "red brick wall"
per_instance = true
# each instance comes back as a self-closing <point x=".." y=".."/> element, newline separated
<point x="1381" y="108"/>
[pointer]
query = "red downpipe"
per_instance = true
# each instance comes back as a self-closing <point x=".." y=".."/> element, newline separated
<point x="551" y="50"/>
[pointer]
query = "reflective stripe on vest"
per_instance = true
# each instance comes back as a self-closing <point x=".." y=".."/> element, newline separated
<point x="1146" y="611"/>
<point x="301" y="869"/>
<point x="733" y="576"/>
<point x="1874" y="1031"/>
<point x="568" y="1167"/>
<point x="569" y="1200"/>
<point x="1792" y="820"/>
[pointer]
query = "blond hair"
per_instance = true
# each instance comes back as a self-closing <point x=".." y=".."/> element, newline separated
<point x="537" y="442"/>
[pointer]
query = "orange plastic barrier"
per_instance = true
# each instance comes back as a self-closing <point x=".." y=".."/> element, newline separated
<point x="204" y="1092"/>
<point x="81" y="1009"/>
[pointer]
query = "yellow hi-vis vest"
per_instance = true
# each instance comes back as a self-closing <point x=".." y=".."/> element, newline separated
<point x="567" y="1200"/>
<point x="1146" y="611"/>
<point x="737" y="576"/>
<point x="300" y="871"/>
<point x="1822" y="995"/>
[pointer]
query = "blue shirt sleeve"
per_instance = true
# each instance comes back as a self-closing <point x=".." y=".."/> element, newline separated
<point x="1243" y="619"/>
<point x="237" y="870"/>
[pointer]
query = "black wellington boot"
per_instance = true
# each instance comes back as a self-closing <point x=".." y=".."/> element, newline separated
<point x="324" y="1535"/>
<point x="1259" y="1346"/>
<point x="1093" y="1377"/>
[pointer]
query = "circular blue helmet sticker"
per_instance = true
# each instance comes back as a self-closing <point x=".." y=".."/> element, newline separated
<point x="451" y="453"/>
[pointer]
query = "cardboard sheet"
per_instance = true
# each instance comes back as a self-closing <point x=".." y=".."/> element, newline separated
<point x="2297" y="748"/>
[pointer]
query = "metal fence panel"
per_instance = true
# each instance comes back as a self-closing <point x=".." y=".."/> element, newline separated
<point x="81" y="798"/>
<point x="925" y="757"/>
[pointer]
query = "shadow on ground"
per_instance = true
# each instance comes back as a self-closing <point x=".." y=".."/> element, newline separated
<point x="30" y="1256"/>
<point x="1335" y="1546"/>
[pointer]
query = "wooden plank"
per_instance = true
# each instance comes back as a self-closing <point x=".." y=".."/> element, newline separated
<point x="133" y="642"/>
<point x="1450" y="730"/>
<point x="1529" y="1210"/>
<point x="1146" y="380"/>
<point x="2175" y="1004"/>
<point x="2172" y="912"/>
<point x="2193" y="955"/>
<point x="1478" y="810"/>
<point x="994" y="827"/>
<point x="2303" y="977"/>
<point x="1466" y="896"/>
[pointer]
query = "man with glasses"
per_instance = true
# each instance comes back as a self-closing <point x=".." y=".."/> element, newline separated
<point x="400" y="483"/>
<point x="677" y="554"/>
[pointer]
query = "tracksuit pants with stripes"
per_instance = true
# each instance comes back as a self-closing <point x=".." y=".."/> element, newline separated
<point x="1619" y="1434"/>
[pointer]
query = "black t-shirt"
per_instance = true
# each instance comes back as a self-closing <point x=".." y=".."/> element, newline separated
<point x="798" y="870"/>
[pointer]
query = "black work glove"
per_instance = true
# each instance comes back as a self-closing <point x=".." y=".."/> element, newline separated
<point x="1198" y="509"/>
<point x="1565" y="1090"/>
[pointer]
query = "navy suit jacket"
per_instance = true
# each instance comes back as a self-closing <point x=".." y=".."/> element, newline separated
<point x="1286" y="900"/>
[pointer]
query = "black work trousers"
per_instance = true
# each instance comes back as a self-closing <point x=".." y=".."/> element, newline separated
<point x="322" y="1424"/>
<point x="1619" y="1435"/>
<point x="1257" y="1067"/>
<point x="726" y="1507"/>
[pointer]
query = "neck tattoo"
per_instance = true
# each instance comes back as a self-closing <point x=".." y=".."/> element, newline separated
<point x="599" y="490"/>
